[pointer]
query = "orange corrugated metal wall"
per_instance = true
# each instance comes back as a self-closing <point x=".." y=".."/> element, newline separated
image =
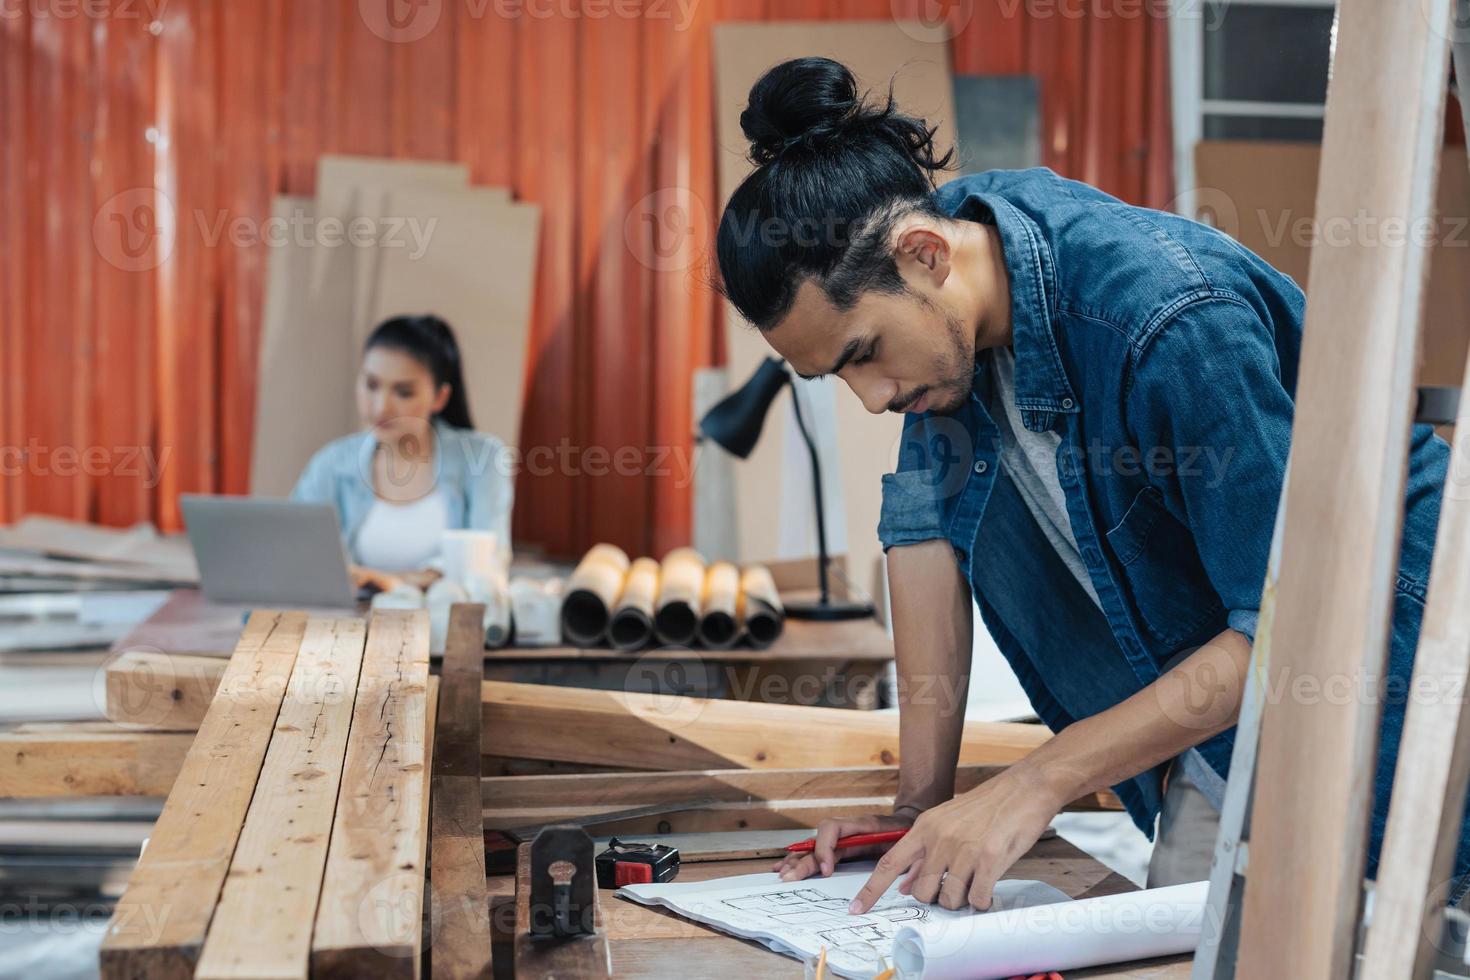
<point x="128" y="380"/>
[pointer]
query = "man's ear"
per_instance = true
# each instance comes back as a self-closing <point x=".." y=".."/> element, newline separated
<point x="925" y="250"/>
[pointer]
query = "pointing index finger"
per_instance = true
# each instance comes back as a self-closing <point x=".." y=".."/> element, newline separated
<point x="895" y="862"/>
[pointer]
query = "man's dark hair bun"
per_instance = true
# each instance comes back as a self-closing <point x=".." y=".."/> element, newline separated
<point x="808" y="106"/>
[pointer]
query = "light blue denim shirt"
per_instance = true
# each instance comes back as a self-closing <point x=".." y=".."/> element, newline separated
<point x="1165" y="356"/>
<point x="472" y="469"/>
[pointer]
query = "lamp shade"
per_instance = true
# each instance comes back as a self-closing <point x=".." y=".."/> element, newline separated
<point x="735" y="423"/>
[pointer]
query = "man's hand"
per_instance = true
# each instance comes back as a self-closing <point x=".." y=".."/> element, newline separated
<point x="824" y="857"/>
<point x="957" y="851"/>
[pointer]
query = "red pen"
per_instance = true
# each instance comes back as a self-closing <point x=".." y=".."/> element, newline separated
<point x="856" y="840"/>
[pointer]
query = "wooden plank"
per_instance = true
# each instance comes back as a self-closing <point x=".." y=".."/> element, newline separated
<point x="460" y="906"/>
<point x="633" y="789"/>
<point x="1427" y="811"/>
<point x="158" y="927"/>
<point x="574" y="958"/>
<point x="161" y="691"/>
<point x="89" y="759"/>
<point x="368" y="922"/>
<point x="262" y="927"/>
<point x="652" y="731"/>
<point x="1344" y="500"/>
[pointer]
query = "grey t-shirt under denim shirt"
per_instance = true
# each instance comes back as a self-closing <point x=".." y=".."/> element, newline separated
<point x="1030" y="459"/>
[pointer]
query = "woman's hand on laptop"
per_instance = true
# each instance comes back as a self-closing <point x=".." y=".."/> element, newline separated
<point x="382" y="581"/>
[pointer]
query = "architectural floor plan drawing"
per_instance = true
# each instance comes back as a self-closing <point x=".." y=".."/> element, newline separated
<point x="802" y="918"/>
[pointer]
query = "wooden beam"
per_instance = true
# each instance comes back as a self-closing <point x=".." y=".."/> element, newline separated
<point x="461" y="904"/>
<point x="161" y="691"/>
<point x="651" y="731"/>
<point x="89" y="759"/>
<point x="158" y="927"/>
<point x="574" y="959"/>
<point x="369" y="921"/>
<point x="262" y="927"/>
<point x="624" y="790"/>
<point x="1343" y="502"/>
<point x="1428" y="801"/>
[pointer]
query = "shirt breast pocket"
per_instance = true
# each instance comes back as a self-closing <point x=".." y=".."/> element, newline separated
<point x="1162" y="571"/>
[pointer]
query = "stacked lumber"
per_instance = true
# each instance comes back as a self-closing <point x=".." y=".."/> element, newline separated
<point x="617" y="729"/>
<point x="301" y="800"/>
<point x="629" y="605"/>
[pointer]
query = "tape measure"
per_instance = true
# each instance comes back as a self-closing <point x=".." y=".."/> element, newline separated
<point x="636" y="864"/>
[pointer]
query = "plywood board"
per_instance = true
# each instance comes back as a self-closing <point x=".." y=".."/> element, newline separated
<point x="476" y="272"/>
<point x="262" y="927"/>
<point x="159" y="925"/>
<point x="916" y="59"/>
<point x="369" y="919"/>
<point x="1344" y="500"/>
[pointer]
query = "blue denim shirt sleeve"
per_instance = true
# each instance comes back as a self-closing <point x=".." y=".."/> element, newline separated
<point x="317" y="483"/>
<point x="1208" y="396"/>
<point x="933" y="462"/>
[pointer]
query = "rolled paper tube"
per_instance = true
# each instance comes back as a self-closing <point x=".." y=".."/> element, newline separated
<point x="680" y="587"/>
<point x="591" y="592"/>
<point x="718" y="627"/>
<point x="761" y="614"/>
<point x="632" y="618"/>
<point x="494" y="593"/>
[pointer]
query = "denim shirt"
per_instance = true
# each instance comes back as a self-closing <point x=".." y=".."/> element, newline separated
<point x="1165" y="356"/>
<point x="471" y="469"/>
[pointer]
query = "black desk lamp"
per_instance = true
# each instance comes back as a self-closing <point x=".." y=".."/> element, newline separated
<point x="735" y="423"/>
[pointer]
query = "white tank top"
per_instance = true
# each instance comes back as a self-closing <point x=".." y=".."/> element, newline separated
<point x="402" y="537"/>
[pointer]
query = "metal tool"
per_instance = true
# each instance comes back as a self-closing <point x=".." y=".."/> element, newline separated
<point x="563" y="885"/>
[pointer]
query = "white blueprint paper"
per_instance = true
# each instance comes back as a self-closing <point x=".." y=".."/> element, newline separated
<point x="1089" y="932"/>
<point x="800" y="918"/>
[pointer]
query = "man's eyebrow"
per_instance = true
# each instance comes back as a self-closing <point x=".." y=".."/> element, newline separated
<point x="847" y="354"/>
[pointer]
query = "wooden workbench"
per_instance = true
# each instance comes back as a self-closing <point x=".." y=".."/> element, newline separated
<point x="648" y="941"/>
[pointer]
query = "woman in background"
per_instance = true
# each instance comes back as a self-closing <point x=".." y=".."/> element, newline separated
<point x="418" y="468"/>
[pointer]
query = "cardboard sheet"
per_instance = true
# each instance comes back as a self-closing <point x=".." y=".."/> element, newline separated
<point x="477" y="272"/>
<point x="308" y="363"/>
<point x="864" y="446"/>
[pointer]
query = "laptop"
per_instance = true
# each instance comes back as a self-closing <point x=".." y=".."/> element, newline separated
<point x="263" y="551"/>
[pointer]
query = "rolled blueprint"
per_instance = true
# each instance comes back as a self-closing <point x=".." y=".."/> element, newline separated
<point x="1067" y="936"/>
<point x="761" y="615"/>
<point x="591" y="592"/>
<point x="632" y="618"/>
<point x="681" y="584"/>
<point x="718" y="627"/>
